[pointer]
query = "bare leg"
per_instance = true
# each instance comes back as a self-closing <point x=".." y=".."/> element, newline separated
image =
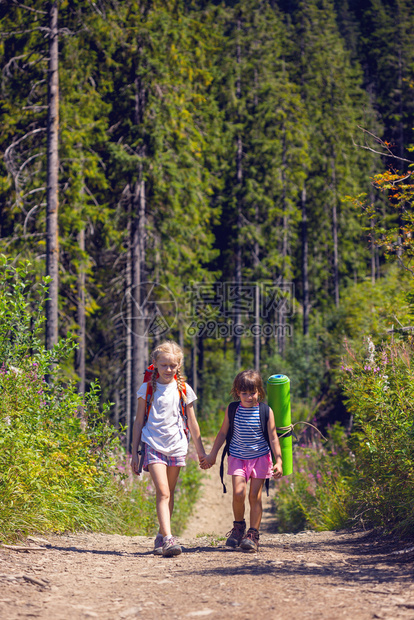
<point x="239" y="497"/>
<point x="255" y="499"/>
<point x="164" y="481"/>
<point x="172" y="475"/>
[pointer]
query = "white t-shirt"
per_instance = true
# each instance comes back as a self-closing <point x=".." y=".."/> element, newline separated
<point x="164" y="429"/>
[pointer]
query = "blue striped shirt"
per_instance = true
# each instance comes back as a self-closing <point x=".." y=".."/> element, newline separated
<point x="248" y="441"/>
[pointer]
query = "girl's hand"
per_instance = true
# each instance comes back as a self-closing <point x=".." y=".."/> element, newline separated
<point x="135" y="463"/>
<point x="277" y="469"/>
<point x="210" y="459"/>
<point x="202" y="461"/>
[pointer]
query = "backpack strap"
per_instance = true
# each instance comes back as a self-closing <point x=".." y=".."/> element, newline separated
<point x="264" y="419"/>
<point x="183" y="410"/>
<point x="231" y="412"/>
<point x="148" y="401"/>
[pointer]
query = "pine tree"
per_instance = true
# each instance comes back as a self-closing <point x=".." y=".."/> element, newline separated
<point x="80" y="139"/>
<point x="52" y="192"/>
<point x="159" y="170"/>
<point x="334" y="101"/>
<point x="385" y="50"/>
<point x="262" y="172"/>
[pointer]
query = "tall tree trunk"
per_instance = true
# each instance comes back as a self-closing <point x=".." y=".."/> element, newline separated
<point x="256" y="323"/>
<point x="52" y="200"/>
<point x="194" y="381"/>
<point x="80" y="352"/>
<point x="139" y="343"/>
<point x="281" y="315"/>
<point x="128" y="346"/>
<point x="200" y="366"/>
<point x="400" y="82"/>
<point x="335" y="235"/>
<point x="238" y="266"/>
<point x="377" y="264"/>
<point x="117" y="407"/>
<point x="256" y="335"/>
<point x="305" y="266"/>
<point x="256" y="261"/>
<point x="372" y="244"/>
<point x="239" y="181"/>
<point x="138" y="337"/>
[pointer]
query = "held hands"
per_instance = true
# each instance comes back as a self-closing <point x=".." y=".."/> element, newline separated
<point x="206" y="461"/>
<point x="202" y="459"/>
<point x="210" y="459"/>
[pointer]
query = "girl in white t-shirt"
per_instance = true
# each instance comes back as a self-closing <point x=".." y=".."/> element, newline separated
<point x="164" y="438"/>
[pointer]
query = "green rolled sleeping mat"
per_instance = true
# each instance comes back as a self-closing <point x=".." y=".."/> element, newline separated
<point x="278" y="398"/>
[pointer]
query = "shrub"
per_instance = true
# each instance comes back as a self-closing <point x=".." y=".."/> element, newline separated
<point x="318" y="493"/>
<point x="61" y="463"/>
<point x="380" y="392"/>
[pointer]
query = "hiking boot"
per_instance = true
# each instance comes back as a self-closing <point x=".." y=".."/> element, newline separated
<point x="158" y="543"/>
<point x="250" y="541"/>
<point x="171" y="548"/>
<point x="236" y="534"/>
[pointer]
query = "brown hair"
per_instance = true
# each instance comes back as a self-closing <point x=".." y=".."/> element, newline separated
<point x="248" y="381"/>
<point x="172" y="348"/>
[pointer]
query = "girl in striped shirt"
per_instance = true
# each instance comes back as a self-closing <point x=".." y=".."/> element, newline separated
<point x="251" y="435"/>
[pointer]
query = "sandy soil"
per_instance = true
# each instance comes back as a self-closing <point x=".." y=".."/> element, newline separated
<point x="327" y="575"/>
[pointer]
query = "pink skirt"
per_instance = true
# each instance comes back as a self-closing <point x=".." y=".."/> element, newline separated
<point x="262" y="467"/>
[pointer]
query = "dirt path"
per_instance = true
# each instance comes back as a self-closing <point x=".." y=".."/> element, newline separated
<point x="213" y="514"/>
<point x="326" y="575"/>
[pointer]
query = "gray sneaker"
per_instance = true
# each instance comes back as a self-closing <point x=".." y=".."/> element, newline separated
<point x="158" y="543"/>
<point x="171" y="548"/>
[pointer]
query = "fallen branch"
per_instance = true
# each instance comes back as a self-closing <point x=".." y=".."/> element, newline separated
<point x="38" y="582"/>
<point x="401" y="552"/>
<point x="38" y="540"/>
<point x="22" y="548"/>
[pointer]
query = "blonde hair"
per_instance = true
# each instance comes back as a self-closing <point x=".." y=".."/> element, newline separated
<point x="170" y="348"/>
<point x="248" y="381"/>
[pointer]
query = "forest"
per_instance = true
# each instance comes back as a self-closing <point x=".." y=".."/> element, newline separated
<point x="234" y="175"/>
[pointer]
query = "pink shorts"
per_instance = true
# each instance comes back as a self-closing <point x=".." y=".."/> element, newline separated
<point x="152" y="456"/>
<point x="262" y="467"/>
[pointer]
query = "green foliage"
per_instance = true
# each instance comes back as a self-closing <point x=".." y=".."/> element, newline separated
<point x="384" y="48"/>
<point x="264" y="127"/>
<point x="238" y="119"/>
<point x="369" y="308"/>
<point x="60" y="463"/>
<point x="379" y="389"/>
<point x="335" y="104"/>
<point x="302" y="363"/>
<point x="318" y="494"/>
<point x="396" y="238"/>
<point x="55" y="444"/>
<point x="216" y="382"/>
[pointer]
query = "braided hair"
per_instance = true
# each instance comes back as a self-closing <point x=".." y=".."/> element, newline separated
<point x="172" y="348"/>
